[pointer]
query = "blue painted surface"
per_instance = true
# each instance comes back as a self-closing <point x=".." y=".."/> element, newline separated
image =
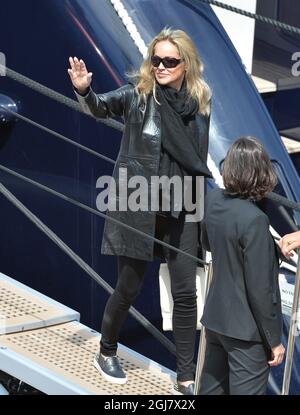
<point x="37" y="41"/>
<point x="275" y="59"/>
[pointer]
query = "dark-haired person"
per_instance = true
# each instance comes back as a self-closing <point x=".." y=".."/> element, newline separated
<point x="166" y="114"/>
<point x="242" y="314"/>
<point x="290" y="242"/>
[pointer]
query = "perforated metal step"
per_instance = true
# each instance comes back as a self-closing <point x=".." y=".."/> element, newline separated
<point x="22" y="308"/>
<point x="59" y="360"/>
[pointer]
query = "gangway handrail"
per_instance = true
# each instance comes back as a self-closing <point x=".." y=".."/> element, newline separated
<point x="293" y="332"/>
<point x="56" y="96"/>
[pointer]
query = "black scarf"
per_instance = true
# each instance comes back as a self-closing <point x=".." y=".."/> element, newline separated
<point x="179" y="134"/>
<point x="180" y="141"/>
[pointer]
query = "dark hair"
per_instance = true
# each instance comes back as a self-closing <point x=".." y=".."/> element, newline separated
<point x="247" y="171"/>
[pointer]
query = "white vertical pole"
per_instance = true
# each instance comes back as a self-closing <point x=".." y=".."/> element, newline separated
<point x="202" y="343"/>
<point x="292" y="334"/>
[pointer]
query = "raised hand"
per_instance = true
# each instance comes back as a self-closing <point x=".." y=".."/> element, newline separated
<point x="80" y="77"/>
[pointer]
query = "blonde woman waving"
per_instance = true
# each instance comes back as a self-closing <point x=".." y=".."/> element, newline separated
<point x="166" y="111"/>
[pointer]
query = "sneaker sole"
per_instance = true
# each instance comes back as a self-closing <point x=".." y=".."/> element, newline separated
<point x="175" y="392"/>
<point x="119" y="381"/>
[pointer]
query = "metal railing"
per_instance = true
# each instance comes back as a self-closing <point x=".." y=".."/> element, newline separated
<point x="293" y="332"/>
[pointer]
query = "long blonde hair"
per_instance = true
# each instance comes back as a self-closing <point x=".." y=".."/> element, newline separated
<point x="196" y="86"/>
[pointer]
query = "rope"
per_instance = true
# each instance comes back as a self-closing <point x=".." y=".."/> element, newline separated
<point x="96" y="212"/>
<point x="255" y="16"/>
<point x="65" y="248"/>
<point x="130" y="26"/>
<point x="50" y="93"/>
<point x="281" y="200"/>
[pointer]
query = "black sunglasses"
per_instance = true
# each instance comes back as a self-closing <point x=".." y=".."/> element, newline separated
<point x="168" y="62"/>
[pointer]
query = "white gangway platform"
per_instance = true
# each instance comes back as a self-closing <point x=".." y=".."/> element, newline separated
<point x="43" y="344"/>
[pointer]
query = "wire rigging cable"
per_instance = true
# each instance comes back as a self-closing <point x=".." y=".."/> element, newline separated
<point x="96" y="212"/>
<point x="259" y="17"/>
<point x="58" y="135"/>
<point x="50" y="93"/>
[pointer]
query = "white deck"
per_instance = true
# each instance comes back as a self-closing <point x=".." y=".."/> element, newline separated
<point x="263" y="85"/>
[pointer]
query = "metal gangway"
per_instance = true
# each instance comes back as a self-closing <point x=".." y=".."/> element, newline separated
<point x="43" y="343"/>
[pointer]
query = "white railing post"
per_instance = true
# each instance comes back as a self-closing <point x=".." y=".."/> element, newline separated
<point x="292" y="334"/>
<point x="202" y="343"/>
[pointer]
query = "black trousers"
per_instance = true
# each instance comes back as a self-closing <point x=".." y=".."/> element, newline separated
<point x="183" y="235"/>
<point x="234" y="367"/>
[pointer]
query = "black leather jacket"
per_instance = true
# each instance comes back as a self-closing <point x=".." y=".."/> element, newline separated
<point x="140" y="155"/>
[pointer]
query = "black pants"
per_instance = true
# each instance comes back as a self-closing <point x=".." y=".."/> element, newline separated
<point x="183" y="235"/>
<point x="234" y="367"/>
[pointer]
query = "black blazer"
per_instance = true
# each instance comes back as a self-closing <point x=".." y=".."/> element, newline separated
<point x="244" y="298"/>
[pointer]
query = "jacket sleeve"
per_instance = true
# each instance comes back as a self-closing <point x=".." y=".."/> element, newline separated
<point x="203" y="230"/>
<point x="111" y="104"/>
<point x="260" y="280"/>
<point x="204" y="236"/>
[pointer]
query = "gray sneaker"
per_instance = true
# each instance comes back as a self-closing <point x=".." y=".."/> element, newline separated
<point x="110" y="369"/>
<point x="179" y="389"/>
